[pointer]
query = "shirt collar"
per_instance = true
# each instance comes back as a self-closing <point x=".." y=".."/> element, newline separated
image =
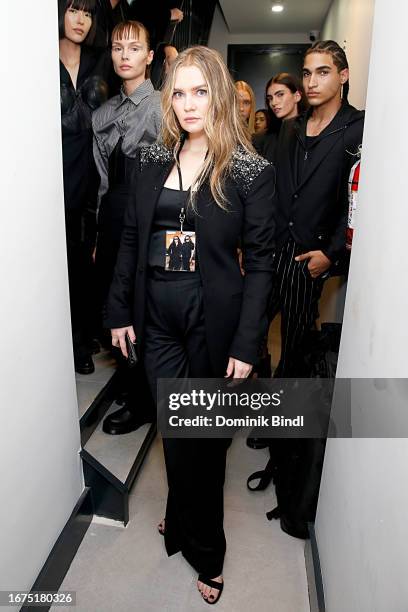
<point x="143" y="91"/>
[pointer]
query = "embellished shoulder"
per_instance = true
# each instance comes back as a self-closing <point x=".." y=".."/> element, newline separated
<point x="246" y="167"/>
<point x="155" y="153"/>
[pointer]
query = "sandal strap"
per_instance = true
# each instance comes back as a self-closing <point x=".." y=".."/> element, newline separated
<point x="211" y="583"/>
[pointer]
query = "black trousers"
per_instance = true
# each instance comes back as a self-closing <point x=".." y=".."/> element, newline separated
<point x="110" y="224"/>
<point x="80" y="277"/>
<point x="175" y="346"/>
<point x="296" y="296"/>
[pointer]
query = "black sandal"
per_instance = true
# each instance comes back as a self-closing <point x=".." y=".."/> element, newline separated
<point x="214" y="585"/>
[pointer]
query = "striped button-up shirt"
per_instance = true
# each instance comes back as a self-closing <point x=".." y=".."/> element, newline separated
<point x="135" y="118"/>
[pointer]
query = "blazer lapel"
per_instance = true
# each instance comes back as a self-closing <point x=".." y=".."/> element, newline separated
<point x="147" y="195"/>
<point x="288" y="148"/>
<point x="323" y="147"/>
<point x="324" y="143"/>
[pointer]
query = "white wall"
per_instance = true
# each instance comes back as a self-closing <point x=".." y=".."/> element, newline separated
<point x="351" y="21"/>
<point x="220" y="37"/>
<point x="40" y="471"/>
<point x="361" y="526"/>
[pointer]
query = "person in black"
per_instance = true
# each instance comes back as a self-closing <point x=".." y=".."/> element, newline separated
<point x="122" y="125"/>
<point x="187" y="249"/>
<point x="314" y="157"/>
<point x="109" y="13"/>
<point x="84" y="77"/>
<point x="155" y="16"/>
<point x="174" y="252"/>
<point x="285" y="99"/>
<point x="211" y="321"/>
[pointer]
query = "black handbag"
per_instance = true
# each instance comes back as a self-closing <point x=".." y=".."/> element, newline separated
<point x="132" y="351"/>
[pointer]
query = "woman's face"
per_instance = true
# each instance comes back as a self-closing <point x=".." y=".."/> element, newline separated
<point x="77" y="25"/>
<point x="190" y="99"/>
<point x="282" y="101"/>
<point x="244" y="104"/>
<point x="260" y="122"/>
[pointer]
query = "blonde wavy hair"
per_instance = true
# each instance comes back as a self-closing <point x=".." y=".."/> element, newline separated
<point x="223" y="124"/>
<point x="243" y="86"/>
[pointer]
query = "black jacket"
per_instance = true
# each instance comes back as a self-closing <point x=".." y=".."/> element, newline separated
<point x="234" y="306"/>
<point x="155" y="16"/>
<point x="266" y="145"/>
<point x="313" y="210"/>
<point x="92" y="88"/>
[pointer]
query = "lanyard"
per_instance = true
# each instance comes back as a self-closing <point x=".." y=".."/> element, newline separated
<point x="182" y="215"/>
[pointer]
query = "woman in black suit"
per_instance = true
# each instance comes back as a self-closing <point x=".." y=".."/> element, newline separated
<point x="84" y="79"/>
<point x="209" y="322"/>
<point x="174" y="252"/>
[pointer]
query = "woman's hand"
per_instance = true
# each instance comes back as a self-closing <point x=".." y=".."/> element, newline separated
<point x="238" y="369"/>
<point x="119" y="338"/>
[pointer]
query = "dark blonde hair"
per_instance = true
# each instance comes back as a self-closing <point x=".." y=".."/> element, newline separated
<point x="223" y="125"/>
<point x="243" y="86"/>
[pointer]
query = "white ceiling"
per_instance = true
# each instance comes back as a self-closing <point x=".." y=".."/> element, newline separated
<point x="255" y="16"/>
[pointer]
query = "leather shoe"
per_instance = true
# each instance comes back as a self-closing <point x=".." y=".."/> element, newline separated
<point x="123" y="421"/>
<point x="257" y="443"/>
<point x="84" y="365"/>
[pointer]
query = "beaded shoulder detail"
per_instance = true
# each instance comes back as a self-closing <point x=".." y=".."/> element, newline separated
<point x="246" y="167"/>
<point x="156" y="153"/>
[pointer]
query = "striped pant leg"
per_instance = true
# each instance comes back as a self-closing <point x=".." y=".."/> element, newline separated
<point x="298" y="298"/>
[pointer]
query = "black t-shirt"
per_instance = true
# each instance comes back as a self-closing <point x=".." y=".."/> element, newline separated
<point x="304" y="155"/>
<point x="166" y="218"/>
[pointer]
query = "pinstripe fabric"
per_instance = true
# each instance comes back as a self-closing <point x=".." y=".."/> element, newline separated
<point x="296" y="295"/>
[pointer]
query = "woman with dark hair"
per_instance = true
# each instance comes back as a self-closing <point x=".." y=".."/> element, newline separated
<point x="187" y="250"/>
<point x="202" y="176"/>
<point x="285" y="99"/>
<point x="262" y="121"/>
<point x="84" y="76"/>
<point x="174" y="252"/>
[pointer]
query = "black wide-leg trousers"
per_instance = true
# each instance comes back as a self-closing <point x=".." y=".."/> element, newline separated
<point x="175" y="347"/>
<point x="296" y="296"/>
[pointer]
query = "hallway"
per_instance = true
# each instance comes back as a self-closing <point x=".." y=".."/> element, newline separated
<point x="127" y="569"/>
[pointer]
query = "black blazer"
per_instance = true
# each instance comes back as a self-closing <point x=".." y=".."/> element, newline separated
<point x="314" y="210"/>
<point x="266" y="145"/>
<point x="234" y="305"/>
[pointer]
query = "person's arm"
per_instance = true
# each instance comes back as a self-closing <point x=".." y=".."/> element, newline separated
<point x="257" y="246"/>
<point x="118" y="311"/>
<point x="102" y="165"/>
<point x="157" y="117"/>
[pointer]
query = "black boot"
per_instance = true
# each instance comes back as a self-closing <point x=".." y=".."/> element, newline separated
<point x="83" y="363"/>
<point x="124" y="421"/>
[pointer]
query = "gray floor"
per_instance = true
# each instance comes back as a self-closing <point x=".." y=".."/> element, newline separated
<point x="126" y="568"/>
<point x="89" y="385"/>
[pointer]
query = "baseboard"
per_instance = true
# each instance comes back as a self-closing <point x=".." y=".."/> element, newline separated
<point x="314" y="573"/>
<point x="64" y="550"/>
